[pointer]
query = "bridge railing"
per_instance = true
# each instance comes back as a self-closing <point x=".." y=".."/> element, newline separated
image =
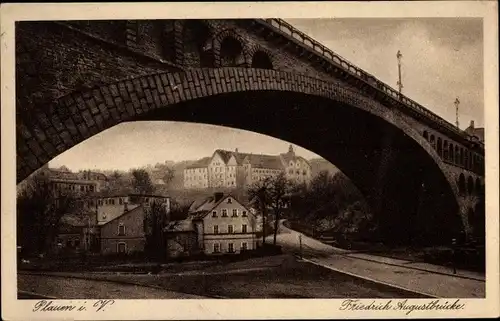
<point x="347" y="66"/>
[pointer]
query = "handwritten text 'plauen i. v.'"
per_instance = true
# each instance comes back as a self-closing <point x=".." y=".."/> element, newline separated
<point x="51" y="306"/>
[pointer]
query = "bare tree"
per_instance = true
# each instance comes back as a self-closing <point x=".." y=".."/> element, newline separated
<point x="169" y="175"/>
<point x="141" y="181"/>
<point x="40" y="207"/>
<point x="271" y="192"/>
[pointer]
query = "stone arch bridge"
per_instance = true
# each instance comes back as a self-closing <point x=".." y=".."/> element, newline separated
<point x="74" y="79"/>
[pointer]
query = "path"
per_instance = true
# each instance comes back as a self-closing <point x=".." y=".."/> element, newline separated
<point x="423" y="278"/>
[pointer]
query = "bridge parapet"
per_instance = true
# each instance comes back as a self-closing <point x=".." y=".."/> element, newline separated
<point x="319" y="49"/>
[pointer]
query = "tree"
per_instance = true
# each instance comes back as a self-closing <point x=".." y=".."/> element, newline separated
<point x="169" y="175"/>
<point x="141" y="181"/>
<point x="39" y="212"/>
<point x="280" y="188"/>
<point x="154" y="221"/>
<point x="273" y="192"/>
<point x="259" y="192"/>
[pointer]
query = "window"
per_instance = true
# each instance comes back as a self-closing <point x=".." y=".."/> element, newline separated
<point x="77" y="242"/>
<point x="244" y="246"/>
<point x="112" y="201"/>
<point x="230" y="248"/>
<point x="229" y="200"/>
<point x="122" y="247"/>
<point x="230" y="229"/>
<point x="224" y="212"/>
<point x="244" y="214"/>
<point x="216" y="229"/>
<point x="216" y="248"/>
<point x="244" y="228"/>
<point x="214" y="213"/>
<point x="235" y="212"/>
<point x="120" y="200"/>
<point x="121" y="229"/>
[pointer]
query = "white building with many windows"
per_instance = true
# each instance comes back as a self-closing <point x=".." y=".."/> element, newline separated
<point x="219" y="225"/>
<point x="228" y="169"/>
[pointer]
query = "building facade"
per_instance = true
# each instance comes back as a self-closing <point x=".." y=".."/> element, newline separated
<point x="228" y="169"/>
<point x="80" y="183"/>
<point x="219" y="225"/>
<point x="124" y="234"/>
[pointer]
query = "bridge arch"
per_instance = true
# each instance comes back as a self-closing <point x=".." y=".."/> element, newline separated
<point x="335" y="114"/>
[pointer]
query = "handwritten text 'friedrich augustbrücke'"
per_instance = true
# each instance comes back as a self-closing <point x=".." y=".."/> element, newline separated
<point x="401" y="305"/>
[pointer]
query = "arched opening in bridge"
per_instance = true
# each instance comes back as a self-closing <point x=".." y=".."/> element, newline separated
<point x="471" y="219"/>
<point x="440" y="147"/>
<point x="231" y="53"/>
<point x="261" y="60"/>
<point x="452" y="153"/>
<point x="461" y="184"/>
<point x="385" y="160"/>
<point x="478" y="186"/>
<point x="470" y="185"/>
<point x="197" y="45"/>
<point x="445" y="150"/>
<point x="479" y="221"/>
<point x="457" y="155"/>
<point x="426" y="135"/>
<point x="462" y="156"/>
<point x="433" y="142"/>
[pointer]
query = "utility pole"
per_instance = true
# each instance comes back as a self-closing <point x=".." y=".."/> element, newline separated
<point x="399" y="83"/>
<point x="457" y="102"/>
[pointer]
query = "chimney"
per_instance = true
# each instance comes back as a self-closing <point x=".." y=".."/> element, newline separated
<point x="218" y="196"/>
<point x="471" y="124"/>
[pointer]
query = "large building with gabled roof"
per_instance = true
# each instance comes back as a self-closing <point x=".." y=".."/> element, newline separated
<point x="231" y="169"/>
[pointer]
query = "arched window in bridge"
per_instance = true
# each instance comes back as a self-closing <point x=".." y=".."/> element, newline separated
<point x="452" y="153"/>
<point x="231" y="53"/>
<point x="471" y="219"/>
<point x="261" y="60"/>
<point x="197" y="44"/>
<point x="426" y="136"/>
<point x="457" y="155"/>
<point x="439" y="147"/>
<point x="461" y="184"/>
<point x="478" y="186"/>
<point x="432" y="141"/>
<point x="445" y="150"/>
<point x="466" y="159"/>
<point x="462" y="156"/>
<point x="470" y="185"/>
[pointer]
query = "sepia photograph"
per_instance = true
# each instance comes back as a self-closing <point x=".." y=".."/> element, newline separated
<point x="250" y="158"/>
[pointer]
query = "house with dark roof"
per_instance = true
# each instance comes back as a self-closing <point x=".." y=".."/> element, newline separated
<point x="476" y="132"/>
<point x="220" y="224"/>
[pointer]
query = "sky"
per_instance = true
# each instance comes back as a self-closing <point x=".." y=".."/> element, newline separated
<point x="442" y="60"/>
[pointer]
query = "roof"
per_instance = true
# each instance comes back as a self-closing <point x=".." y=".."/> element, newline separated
<point x="200" y="163"/>
<point x="209" y="204"/>
<point x="180" y="226"/>
<point x="224" y="154"/>
<point x="265" y="161"/>
<point x="135" y="209"/>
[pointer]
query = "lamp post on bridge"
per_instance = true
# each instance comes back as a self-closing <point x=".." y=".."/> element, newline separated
<point x="457" y="103"/>
<point x="399" y="83"/>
